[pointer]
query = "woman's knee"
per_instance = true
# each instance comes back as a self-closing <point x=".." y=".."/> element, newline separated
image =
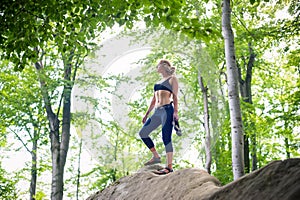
<point x="167" y="139"/>
<point x="144" y="132"/>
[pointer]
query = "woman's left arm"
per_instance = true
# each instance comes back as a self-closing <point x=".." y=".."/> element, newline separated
<point x="175" y="95"/>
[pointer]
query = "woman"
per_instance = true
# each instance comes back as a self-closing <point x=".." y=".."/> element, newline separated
<point x="164" y="114"/>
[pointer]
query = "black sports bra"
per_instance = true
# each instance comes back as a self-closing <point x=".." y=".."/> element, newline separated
<point x="163" y="86"/>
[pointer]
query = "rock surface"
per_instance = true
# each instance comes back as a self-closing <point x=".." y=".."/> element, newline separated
<point x="279" y="180"/>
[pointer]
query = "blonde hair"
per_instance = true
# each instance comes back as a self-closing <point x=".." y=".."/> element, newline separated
<point x="167" y="66"/>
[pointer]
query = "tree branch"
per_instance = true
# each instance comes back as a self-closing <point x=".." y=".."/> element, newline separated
<point x="19" y="138"/>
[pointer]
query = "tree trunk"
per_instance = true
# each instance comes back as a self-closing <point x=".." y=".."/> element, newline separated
<point x="78" y="170"/>
<point x="33" y="153"/>
<point x="246" y="154"/>
<point x="253" y="153"/>
<point x="66" y="123"/>
<point x="57" y="175"/>
<point x="233" y="94"/>
<point x="245" y="90"/>
<point x="208" y="156"/>
<point x="59" y="144"/>
<point x="32" y="189"/>
<point x="287" y="148"/>
<point x="244" y="93"/>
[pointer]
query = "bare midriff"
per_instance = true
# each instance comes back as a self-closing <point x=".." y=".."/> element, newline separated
<point x="162" y="98"/>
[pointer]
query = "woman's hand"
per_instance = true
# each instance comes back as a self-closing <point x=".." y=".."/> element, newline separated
<point x="145" y="118"/>
<point x="175" y="115"/>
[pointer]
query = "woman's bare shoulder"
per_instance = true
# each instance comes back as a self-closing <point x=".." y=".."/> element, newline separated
<point x="173" y="78"/>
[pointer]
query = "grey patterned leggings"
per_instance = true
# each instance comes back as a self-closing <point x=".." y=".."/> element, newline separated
<point x="161" y="116"/>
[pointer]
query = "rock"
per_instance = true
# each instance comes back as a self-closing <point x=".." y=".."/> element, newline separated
<point x="280" y="180"/>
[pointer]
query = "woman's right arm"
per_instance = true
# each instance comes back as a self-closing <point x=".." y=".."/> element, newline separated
<point x="151" y="106"/>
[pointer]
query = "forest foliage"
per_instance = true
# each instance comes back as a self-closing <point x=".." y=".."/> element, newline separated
<point x="68" y="33"/>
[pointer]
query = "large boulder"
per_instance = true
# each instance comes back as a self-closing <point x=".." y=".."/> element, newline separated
<point x="280" y="180"/>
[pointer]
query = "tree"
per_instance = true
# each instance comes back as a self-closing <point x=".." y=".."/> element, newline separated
<point x="56" y="36"/>
<point x="246" y="94"/>
<point x="63" y="32"/>
<point x="22" y="114"/>
<point x="233" y="93"/>
<point x="7" y="186"/>
<point x="208" y="156"/>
